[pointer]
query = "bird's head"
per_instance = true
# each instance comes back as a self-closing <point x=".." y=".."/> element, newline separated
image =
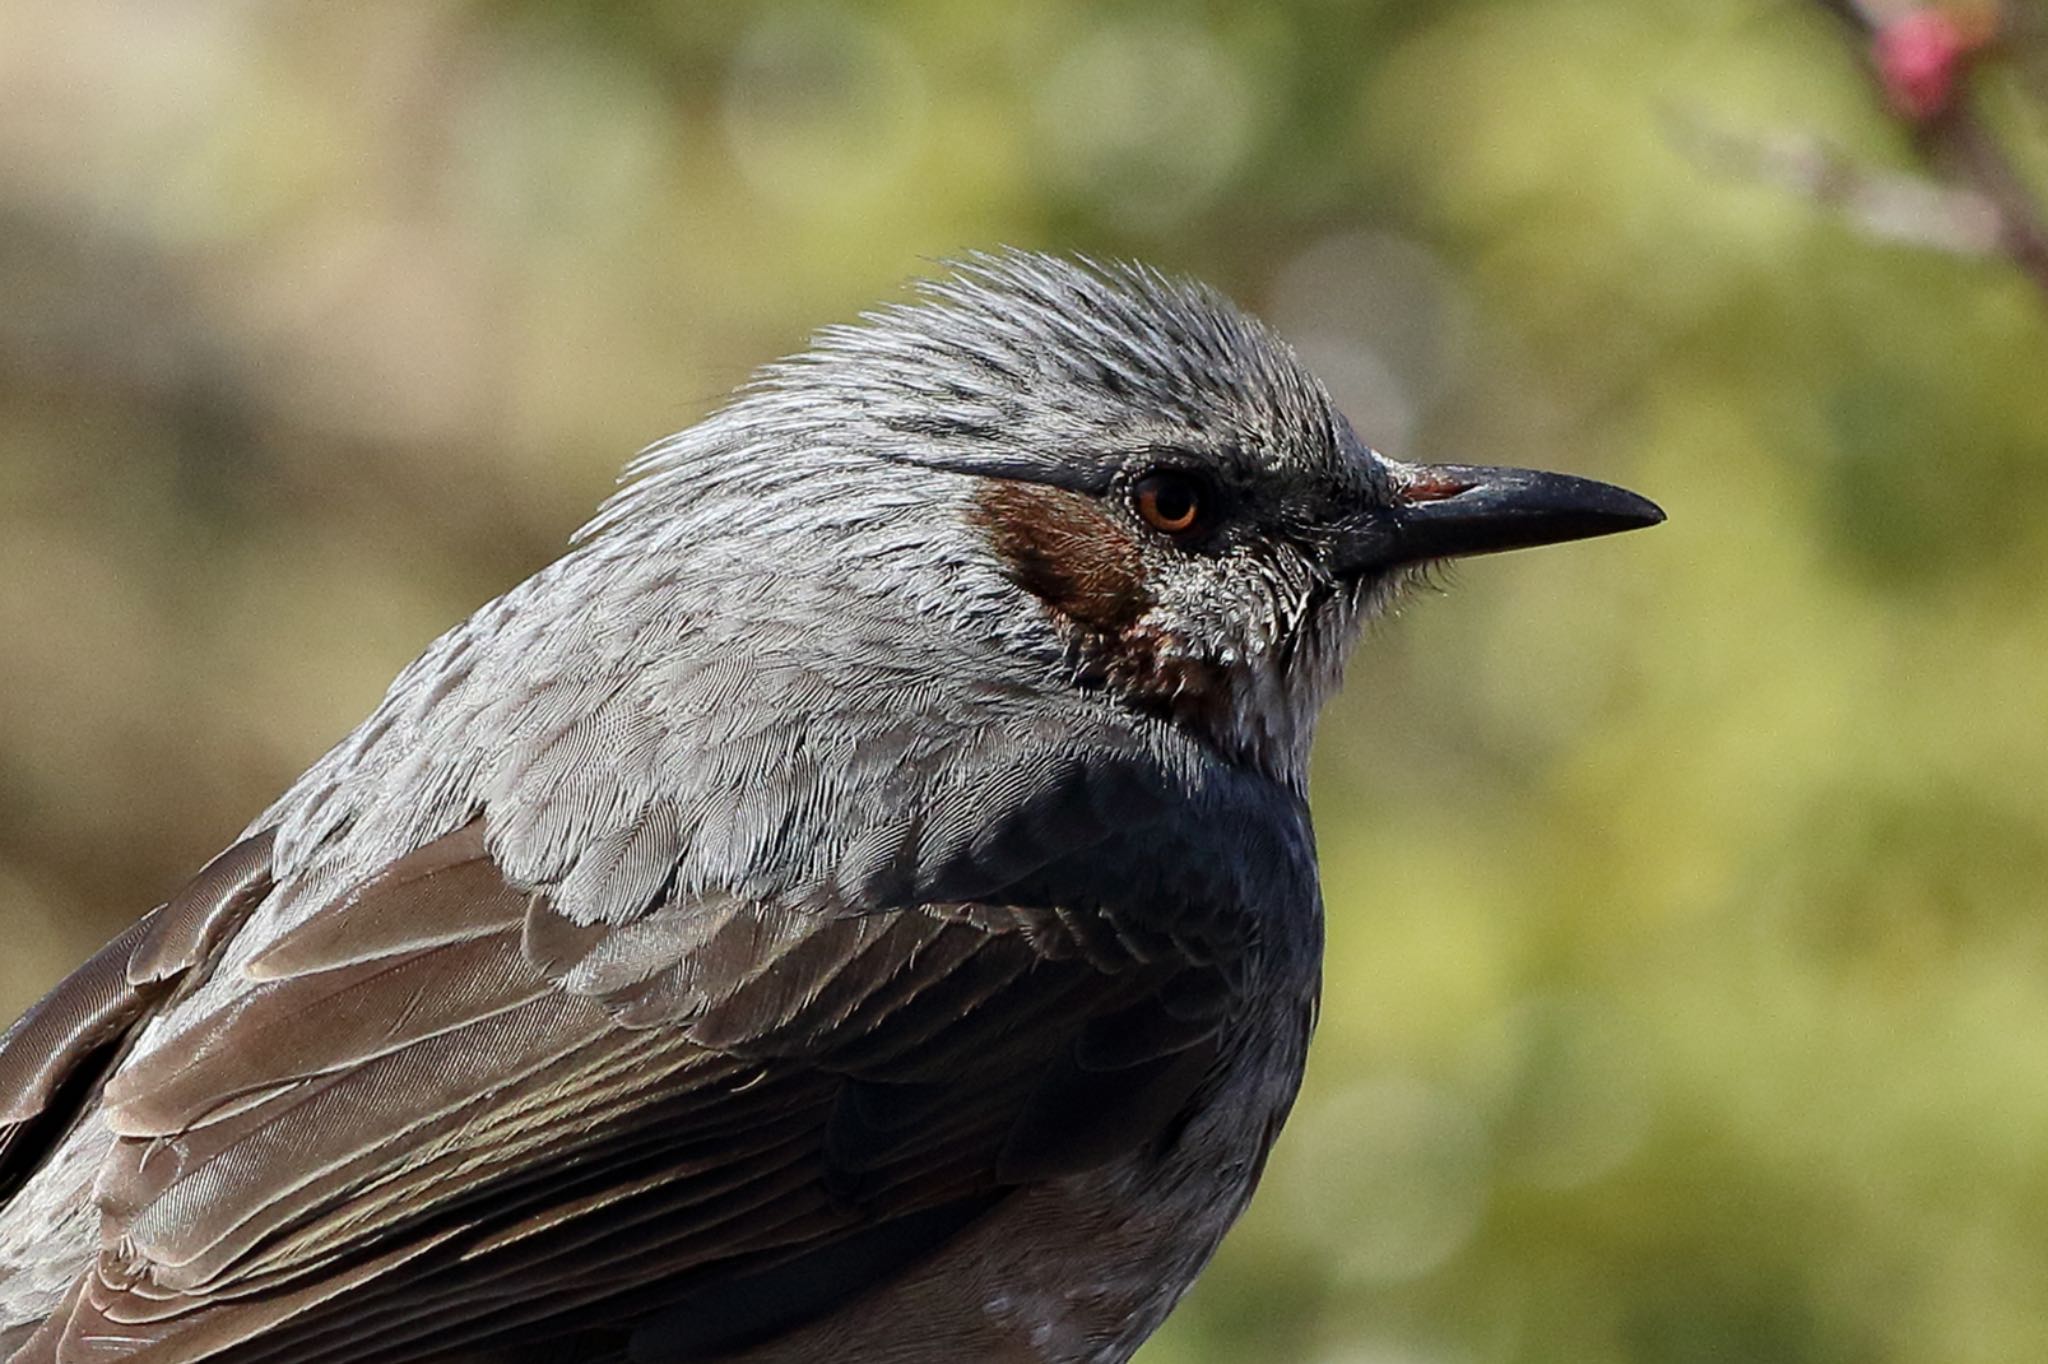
<point x="1172" y="499"/>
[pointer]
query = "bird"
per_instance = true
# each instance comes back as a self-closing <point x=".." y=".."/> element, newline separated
<point x="859" y="903"/>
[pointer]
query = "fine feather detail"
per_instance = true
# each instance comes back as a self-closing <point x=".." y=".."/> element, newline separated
<point x="400" y="1084"/>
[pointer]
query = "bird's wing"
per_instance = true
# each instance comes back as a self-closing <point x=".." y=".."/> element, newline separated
<point x="439" y="1114"/>
<point x="52" y="1059"/>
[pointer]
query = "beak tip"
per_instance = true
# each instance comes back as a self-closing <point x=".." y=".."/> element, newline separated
<point x="1636" y="512"/>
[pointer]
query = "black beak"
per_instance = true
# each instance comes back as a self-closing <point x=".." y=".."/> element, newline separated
<point x="1446" y="511"/>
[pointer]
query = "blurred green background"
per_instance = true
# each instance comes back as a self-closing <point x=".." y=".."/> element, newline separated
<point x="1688" y="985"/>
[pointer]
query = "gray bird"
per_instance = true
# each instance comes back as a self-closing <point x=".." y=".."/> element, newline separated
<point x="859" y="904"/>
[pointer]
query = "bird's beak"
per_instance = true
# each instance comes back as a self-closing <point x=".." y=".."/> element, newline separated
<point x="1446" y="511"/>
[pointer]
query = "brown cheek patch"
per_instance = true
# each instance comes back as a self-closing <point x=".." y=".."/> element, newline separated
<point x="1064" y="549"/>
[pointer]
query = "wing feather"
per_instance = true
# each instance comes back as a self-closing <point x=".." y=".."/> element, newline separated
<point x="547" y="1123"/>
<point x="53" y="1057"/>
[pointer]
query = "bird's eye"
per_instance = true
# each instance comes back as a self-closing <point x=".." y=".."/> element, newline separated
<point x="1170" y="502"/>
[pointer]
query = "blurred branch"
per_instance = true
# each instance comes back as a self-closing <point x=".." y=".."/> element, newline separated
<point x="1902" y="208"/>
<point x="1922" y="58"/>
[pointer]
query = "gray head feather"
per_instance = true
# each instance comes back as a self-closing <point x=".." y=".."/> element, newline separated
<point x="1026" y="366"/>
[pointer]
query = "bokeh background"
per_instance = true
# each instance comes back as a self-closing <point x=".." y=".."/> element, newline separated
<point x="1688" y="985"/>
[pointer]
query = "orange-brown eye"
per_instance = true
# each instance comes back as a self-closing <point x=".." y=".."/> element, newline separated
<point x="1169" y="502"/>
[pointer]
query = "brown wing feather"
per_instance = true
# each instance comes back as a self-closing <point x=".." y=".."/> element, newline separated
<point x="52" y="1047"/>
<point x="546" y="1127"/>
<point x="52" y="1058"/>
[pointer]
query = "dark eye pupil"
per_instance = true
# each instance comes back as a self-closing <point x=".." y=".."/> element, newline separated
<point x="1175" y="499"/>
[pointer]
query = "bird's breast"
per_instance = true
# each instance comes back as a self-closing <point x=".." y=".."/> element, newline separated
<point x="1082" y="1269"/>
